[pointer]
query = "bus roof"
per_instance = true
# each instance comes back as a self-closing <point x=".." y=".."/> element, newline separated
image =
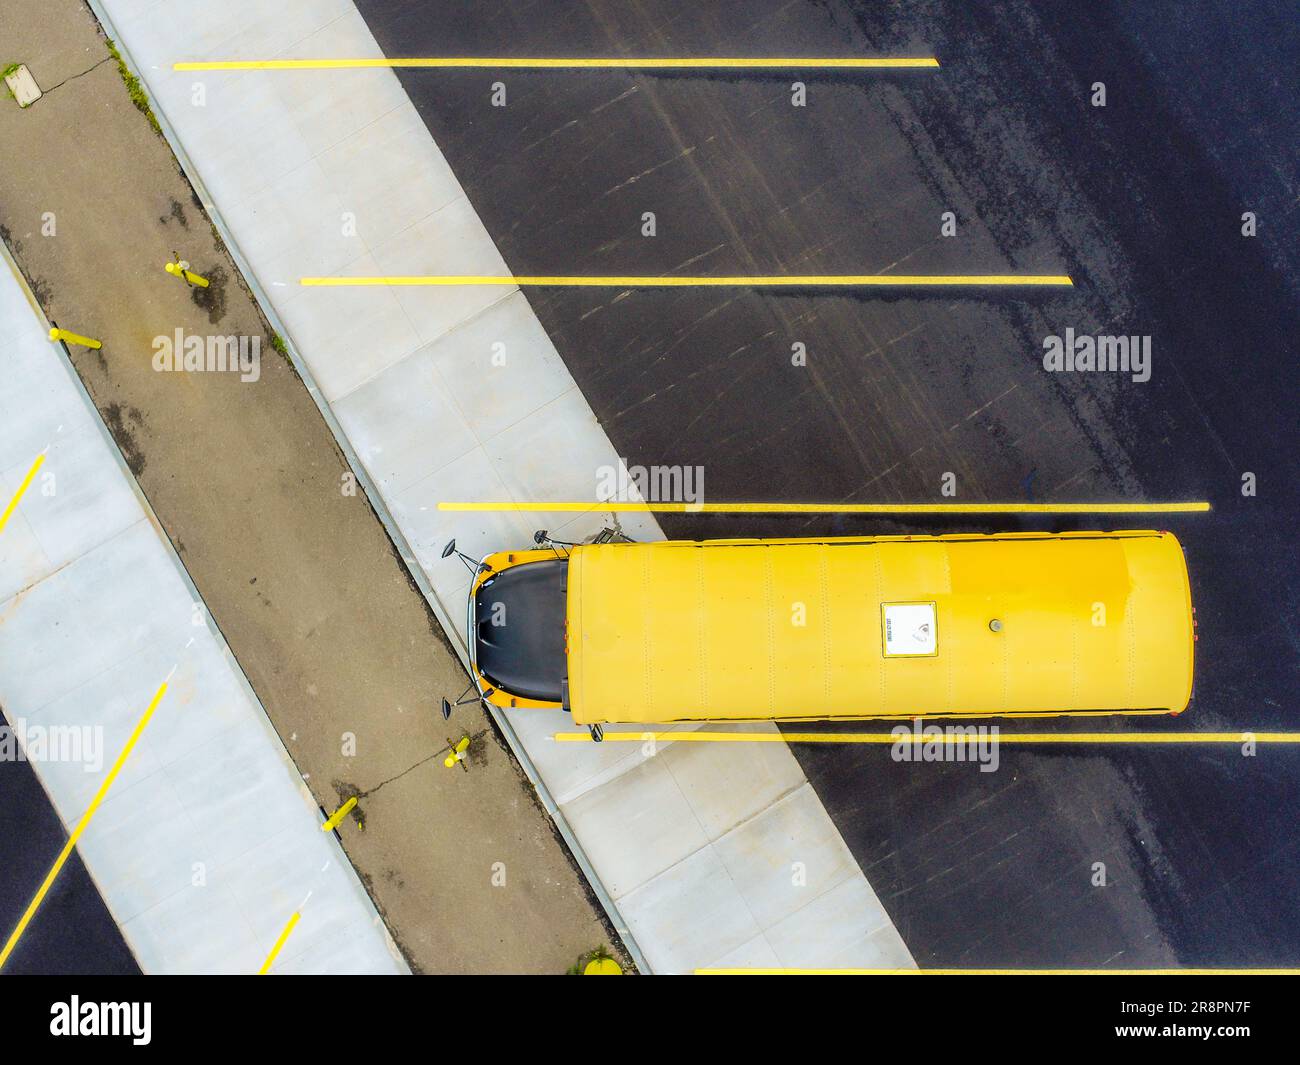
<point x="866" y="627"/>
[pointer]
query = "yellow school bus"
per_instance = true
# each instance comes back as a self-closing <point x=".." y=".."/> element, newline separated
<point x="842" y="628"/>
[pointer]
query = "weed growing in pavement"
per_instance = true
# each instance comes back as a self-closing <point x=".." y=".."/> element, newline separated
<point x="12" y="68"/>
<point x="134" y="89"/>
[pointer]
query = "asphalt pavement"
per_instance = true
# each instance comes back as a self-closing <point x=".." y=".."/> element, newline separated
<point x="72" y="933"/>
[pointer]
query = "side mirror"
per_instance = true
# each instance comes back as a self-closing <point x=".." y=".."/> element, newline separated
<point x="540" y="537"/>
<point x="450" y="549"/>
<point x="446" y="708"/>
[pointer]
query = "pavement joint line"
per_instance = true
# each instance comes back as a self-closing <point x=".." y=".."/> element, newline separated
<point x="574" y="63"/>
<point x="82" y="824"/>
<point x="567" y="506"/>
<point x="22" y="490"/>
<point x="279" y="943"/>
<point x="998" y="972"/>
<point x="417" y="573"/>
<point x="917" y="739"/>
<point x="733" y="281"/>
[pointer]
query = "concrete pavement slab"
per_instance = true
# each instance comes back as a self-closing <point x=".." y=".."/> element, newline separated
<point x="398" y="452"/>
<point x="635" y="826"/>
<point x="729" y="786"/>
<point x="781" y="861"/>
<point x="689" y="913"/>
<point x="815" y="937"/>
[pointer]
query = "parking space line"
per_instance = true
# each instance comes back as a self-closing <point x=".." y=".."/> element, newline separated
<point x="632" y="507"/>
<point x="575" y="63"/>
<point x="279" y="944"/>
<point x="735" y="281"/>
<point x="81" y="826"/>
<point x="919" y="739"/>
<point x="22" y="489"/>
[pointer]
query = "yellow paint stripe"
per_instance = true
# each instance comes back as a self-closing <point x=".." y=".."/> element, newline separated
<point x="574" y="63"/>
<point x="22" y="489"/>
<point x="997" y="972"/>
<point x="81" y="826"/>
<point x="698" y="736"/>
<point x="279" y="944"/>
<point x="567" y="506"/>
<point x="737" y="281"/>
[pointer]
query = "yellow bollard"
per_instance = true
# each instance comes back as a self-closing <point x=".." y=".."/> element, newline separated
<point x="602" y="967"/>
<point x="339" y="814"/>
<point x="182" y="270"/>
<point x="74" y="338"/>
<point x="458" y="753"/>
